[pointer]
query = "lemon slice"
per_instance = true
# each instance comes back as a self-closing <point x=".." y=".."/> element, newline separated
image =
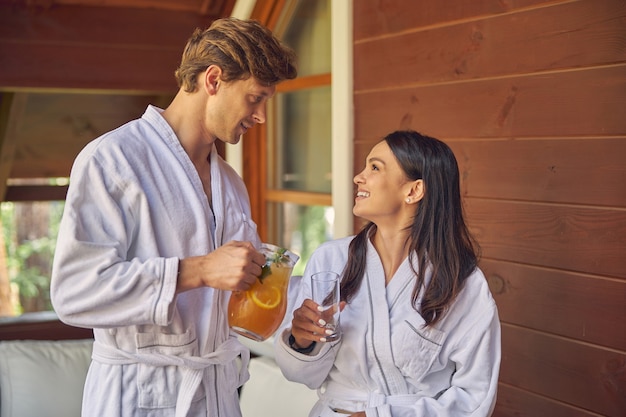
<point x="267" y="297"/>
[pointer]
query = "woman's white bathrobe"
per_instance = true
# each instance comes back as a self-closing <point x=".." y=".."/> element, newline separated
<point x="136" y="205"/>
<point x="387" y="363"/>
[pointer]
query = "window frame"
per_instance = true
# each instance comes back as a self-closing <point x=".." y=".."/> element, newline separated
<point x="251" y="159"/>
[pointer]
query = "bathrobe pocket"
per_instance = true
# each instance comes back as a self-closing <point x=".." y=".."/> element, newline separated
<point x="418" y="349"/>
<point x="158" y="385"/>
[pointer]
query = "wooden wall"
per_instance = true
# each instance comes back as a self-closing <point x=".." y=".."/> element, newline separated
<point x="531" y="96"/>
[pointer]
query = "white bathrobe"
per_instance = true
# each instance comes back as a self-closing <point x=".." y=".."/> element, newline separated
<point x="387" y="363"/>
<point x="135" y="206"/>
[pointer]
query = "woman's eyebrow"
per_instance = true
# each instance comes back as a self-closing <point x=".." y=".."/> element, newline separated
<point x="375" y="159"/>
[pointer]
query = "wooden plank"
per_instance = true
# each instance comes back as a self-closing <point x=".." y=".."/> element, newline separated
<point x="573" y="35"/>
<point x="41" y="330"/>
<point x="575" y="373"/>
<point x="217" y="8"/>
<point x="377" y="18"/>
<point x="298" y="197"/>
<point x="36" y="193"/>
<point x="566" y="104"/>
<point x="189" y="5"/>
<point x="134" y="28"/>
<point x="254" y="145"/>
<point x="578" y="239"/>
<point x="268" y="12"/>
<point x="513" y="402"/>
<point x="60" y="125"/>
<point x="93" y="48"/>
<point x="583" y="307"/>
<point x="11" y="115"/>
<point x="87" y="67"/>
<point x="300" y="83"/>
<point x="545" y="170"/>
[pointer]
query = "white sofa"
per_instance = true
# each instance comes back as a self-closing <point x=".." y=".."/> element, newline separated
<point x="44" y="378"/>
<point x="268" y="393"/>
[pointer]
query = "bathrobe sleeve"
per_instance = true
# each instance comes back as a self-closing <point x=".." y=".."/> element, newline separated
<point x="310" y="369"/>
<point x="95" y="267"/>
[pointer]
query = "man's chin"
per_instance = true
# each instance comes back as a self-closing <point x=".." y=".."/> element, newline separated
<point x="232" y="140"/>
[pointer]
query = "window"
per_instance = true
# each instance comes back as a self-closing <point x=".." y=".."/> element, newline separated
<point x="29" y="231"/>
<point x="293" y="206"/>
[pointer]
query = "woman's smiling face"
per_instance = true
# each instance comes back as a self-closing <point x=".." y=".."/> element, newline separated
<point x="382" y="187"/>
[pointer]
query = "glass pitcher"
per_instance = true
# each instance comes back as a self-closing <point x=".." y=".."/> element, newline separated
<point x="257" y="312"/>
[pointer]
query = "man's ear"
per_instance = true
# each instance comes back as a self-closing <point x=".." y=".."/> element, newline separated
<point x="417" y="191"/>
<point x="211" y="79"/>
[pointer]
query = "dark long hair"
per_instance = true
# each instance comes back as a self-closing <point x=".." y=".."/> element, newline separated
<point x="438" y="237"/>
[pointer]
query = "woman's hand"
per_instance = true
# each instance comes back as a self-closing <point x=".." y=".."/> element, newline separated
<point x="307" y="325"/>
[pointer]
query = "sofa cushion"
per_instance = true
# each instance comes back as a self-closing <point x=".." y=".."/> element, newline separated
<point x="268" y="393"/>
<point x="43" y="378"/>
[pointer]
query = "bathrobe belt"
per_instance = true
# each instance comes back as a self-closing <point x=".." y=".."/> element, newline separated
<point x="193" y="366"/>
<point x="362" y="400"/>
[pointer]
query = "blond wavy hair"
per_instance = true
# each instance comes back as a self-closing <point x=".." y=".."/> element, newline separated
<point x="241" y="48"/>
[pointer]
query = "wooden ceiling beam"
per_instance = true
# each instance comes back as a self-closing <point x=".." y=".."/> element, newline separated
<point x="93" y="48"/>
<point x="35" y="193"/>
<point x="12" y="107"/>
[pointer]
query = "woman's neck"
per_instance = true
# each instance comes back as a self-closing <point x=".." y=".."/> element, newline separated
<point x="392" y="248"/>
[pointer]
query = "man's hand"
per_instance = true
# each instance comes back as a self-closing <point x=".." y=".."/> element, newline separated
<point x="234" y="266"/>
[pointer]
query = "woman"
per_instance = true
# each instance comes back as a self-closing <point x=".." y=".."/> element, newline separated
<point x="420" y="330"/>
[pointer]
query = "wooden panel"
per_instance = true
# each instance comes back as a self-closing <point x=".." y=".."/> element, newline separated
<point x="567" y="104"/>
<point x="583" y="307"/>
<point x="300" y="83"/>
<point x="582" y="239"/>
<point x="376" y="18"/>
<point x="255" y="175"/>
<point x="571" y="372"/>
<point x="11" y="115"/>
<point x="93" y="48"/>
<point x="133" y="28"/>
<point x="36" y="193"/>
<point x="212" y="7"/>
<point x="60" y="125"/>
<point x="513" y="402"/>
<point x="42" y="330"/>
<point x="88" y="68"/>
<point x="530" y="96"/>
<point x="298" y="197"/>
<point x="577" y="34"/>
<point x="545" y="170"/>
<point x="267" y="12"/>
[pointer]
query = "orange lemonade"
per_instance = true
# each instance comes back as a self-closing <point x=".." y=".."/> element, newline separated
<point x="257" y="312"/>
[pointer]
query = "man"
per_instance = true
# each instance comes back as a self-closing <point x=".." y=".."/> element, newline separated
<point x="157" y="231"/>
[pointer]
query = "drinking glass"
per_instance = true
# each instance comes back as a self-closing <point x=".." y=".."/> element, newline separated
<point x="325" y="292"/>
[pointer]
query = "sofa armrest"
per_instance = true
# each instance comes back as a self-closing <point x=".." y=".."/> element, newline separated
<point x="43" y="378"/>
